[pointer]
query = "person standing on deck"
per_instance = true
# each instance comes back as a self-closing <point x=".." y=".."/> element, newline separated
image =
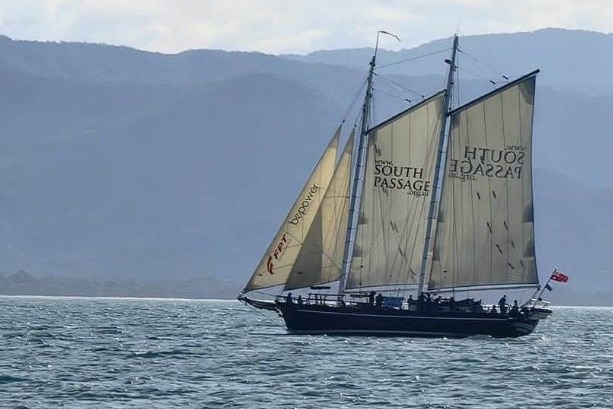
<point x="371" y="298"/>
<point x="502" y="304"/>
<point x="379" y="300"/>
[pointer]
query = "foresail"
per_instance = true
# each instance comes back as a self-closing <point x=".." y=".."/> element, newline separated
<point x="278" y="261"/>
<point x="395" y="198"/>
<point x="321" y="257"/>
<point x="485" y="230"/>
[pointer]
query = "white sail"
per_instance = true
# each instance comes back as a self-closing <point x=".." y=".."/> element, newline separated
<point x="278" y="261"/>
<point x="397" y="189"/>
<point x="485" y="230"/>
<point x="321" y="257"/>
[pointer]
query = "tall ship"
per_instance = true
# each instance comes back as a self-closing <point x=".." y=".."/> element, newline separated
<point x="404" y="230"/>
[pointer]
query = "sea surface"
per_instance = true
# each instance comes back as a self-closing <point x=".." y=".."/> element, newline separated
<point x="143" y="353"/>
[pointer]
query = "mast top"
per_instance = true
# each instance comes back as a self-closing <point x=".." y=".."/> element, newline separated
<point x="377" y="43"/>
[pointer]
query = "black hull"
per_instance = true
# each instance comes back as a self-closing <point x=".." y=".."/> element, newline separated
<point x="347" y="321"/>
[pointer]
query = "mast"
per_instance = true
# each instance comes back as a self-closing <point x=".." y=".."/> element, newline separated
<point x="439" y="163"/>
<point x="358" y="173"/>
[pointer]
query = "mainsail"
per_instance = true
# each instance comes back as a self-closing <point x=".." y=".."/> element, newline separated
<point x="321" y="257"/>
<point x="395" y="197"/>
<point x="278" y="261"/>
<point x="485" y="229"/>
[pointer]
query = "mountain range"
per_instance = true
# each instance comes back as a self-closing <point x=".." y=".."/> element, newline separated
<point x="120" y="165"/>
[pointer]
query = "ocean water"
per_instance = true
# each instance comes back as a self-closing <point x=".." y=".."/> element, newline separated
<point x="138" y="353"/>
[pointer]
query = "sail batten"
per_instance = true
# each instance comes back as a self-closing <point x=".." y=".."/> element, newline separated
<point x="485" y="232"/>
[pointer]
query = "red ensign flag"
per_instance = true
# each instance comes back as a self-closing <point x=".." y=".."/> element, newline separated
<point x="559" y="276"/>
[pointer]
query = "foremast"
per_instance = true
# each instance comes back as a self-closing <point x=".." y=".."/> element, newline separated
<point x="358" y="172"/>
<point x="438" y="169"/>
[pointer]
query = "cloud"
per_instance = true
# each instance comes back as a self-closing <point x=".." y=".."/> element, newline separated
<point x="281" y="26"/>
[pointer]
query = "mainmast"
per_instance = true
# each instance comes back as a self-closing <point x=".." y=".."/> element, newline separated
<point x="358" y="173"/>
<point x="439" y="164"/>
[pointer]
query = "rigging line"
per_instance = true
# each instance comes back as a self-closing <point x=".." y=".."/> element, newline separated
<point x="489" y="67"/>
<point x="417" y="57"/>
<point x="399" y="85"/>
<point x="457" y="94"/>
<point x="356" y="121"/>
<point x="431" y="164"/>
<point x="371" y="118"/>
<point x="363" y="199"/>
<point x="474" y="74"/>
<point x="353" y="102"/>
<point x="389" y="94"/>
<point x="352" y="239"/>
<point x="485" y="72"/>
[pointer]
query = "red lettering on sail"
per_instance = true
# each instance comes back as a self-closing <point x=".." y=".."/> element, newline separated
<point x="276" y="254"/>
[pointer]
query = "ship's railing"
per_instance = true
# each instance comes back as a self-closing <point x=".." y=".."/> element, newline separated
<point x="313" y="298"/>
<point x="368" y="300"/>
<point x="364" y="300"/>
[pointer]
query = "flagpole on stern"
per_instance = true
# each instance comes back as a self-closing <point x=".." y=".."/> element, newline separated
<point x="556" y="275"/>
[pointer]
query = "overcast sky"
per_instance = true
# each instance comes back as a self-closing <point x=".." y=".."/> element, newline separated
<point x="287" y="26"/>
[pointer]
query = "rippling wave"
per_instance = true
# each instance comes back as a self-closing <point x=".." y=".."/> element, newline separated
<point x="127" y="353"/>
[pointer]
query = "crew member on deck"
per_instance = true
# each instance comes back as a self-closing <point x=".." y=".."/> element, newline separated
<point x="502" y="304"/>
<point x="371" y="298"/>
<point x="514" y="309"/>
<point x="288" y="299"/>
<point x="422" y="302"/>
<point x="410" y="301"/>
<point x="379" y="300"/>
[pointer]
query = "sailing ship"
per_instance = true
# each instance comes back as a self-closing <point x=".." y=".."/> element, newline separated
<point x="433" y="202"/>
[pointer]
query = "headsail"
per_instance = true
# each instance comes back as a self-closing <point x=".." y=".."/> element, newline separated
<point x="485" y="230"/>
<point x="395" y="197"/>
<point x="321" y="258"/>
<point x="278" y="261"/>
